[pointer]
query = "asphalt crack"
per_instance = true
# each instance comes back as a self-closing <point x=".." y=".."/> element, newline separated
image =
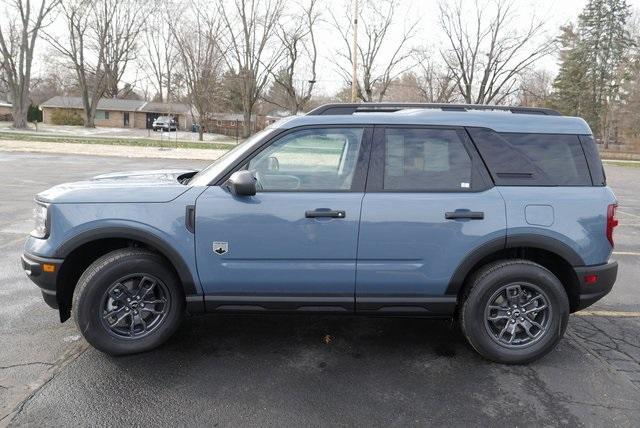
<point x="34" y="363"/>
<point x="50" y="374"/>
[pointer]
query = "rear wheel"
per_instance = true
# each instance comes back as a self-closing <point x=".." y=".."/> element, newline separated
<point x="128" y="301"/>
<point x="515" y="312"/>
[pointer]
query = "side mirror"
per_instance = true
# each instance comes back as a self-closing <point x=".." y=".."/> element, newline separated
<point x="242" y="183"/>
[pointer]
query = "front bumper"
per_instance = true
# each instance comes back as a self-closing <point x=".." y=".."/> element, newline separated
<point x="44" y="273"/>
<point x="590" y="292"/>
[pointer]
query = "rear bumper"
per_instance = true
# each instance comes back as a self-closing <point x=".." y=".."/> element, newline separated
<point x="44" y="273"/>
<point x="592" y="292"/>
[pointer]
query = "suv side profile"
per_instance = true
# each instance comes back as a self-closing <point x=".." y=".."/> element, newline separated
<point x="498" y="216"/>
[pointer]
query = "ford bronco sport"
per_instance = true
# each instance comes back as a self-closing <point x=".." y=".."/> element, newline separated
<point x="499" y="216"/>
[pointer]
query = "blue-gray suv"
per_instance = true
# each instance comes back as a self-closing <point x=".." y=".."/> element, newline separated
<point x="498" y="216"/>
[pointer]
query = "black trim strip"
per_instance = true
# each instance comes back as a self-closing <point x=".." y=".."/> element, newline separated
<point x="145" y="237"/>
<point x="226" y="303"/>
<point x="426" y="306"/>
<point x="511" y="241"/>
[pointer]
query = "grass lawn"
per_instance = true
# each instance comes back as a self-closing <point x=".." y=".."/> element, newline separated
<point x="140" y="142"/>
<point x="632" y="164"/>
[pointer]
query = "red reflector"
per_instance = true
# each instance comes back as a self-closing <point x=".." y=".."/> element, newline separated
<point x="590" y="279"/>
<point x="612" y="222"/>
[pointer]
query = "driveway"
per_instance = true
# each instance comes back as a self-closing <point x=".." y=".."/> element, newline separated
<point x="311" y="371"/>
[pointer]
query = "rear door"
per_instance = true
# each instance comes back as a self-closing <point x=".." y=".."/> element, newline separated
<point x="429" y="202"/>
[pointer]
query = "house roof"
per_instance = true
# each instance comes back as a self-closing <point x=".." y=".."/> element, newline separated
<point x="5" y="103"/>
<point x="151" y="107"/>
<point x="115" y="104"/>
<point x="230" y="116"/>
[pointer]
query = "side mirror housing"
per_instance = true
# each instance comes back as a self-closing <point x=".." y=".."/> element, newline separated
<point x="242" y="183"/>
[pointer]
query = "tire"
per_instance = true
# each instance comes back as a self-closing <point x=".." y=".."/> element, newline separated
<point x="489" y="320"/>
<point x="116" y="274"/>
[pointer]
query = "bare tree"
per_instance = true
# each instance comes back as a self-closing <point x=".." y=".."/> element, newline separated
<point x="535" y="88"/>
<point x="18" y="36"/>
<point x="122" y="42"/>
<point x="486" y="52"/>
<point x="436" y="84"/>
<point x="161" y="56"/>
<point x="250" y="26"/>
<point x="298" y="39"/>
<point x="202" y="61"/>
<point x="376" y="67"/>
<point x="101" y="42"/>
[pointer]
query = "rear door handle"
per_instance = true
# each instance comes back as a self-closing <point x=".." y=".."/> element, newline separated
<point x="325" y="213"/>
<point x="472" y="215"/>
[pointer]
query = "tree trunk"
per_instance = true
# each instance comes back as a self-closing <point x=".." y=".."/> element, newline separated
<point x="20" y="107"/>
<point x="89" y="122"/>
<point x="200" y="133"/>
<point x="19" y="115"/>
<point x="246" y="123"/>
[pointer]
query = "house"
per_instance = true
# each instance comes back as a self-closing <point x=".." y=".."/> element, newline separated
<point x="113" y="112"/>
<point x="6" y="111"/>
<point x="231" y="123"/>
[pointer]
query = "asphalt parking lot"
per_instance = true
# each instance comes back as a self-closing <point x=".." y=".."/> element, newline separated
<point x="311" y="371"/>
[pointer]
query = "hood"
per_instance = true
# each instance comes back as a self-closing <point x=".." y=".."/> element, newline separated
<point x="135" y="186"/>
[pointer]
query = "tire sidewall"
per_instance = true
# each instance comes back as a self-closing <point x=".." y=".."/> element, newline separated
<point x="88" y="305"/>
<point x="474" y="312"/>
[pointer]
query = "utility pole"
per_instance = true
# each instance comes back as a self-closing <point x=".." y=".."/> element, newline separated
<point x="354" y="52"/>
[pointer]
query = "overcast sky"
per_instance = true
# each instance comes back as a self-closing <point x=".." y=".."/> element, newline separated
<point x="554" y="13"/>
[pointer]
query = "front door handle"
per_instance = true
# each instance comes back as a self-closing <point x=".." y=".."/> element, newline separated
<point x="460" y="214"/>
<point x="325" y="213"/>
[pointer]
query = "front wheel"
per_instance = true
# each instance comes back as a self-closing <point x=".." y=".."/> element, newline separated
<point x="128" y="301"/>
<point x="516" y="311"/>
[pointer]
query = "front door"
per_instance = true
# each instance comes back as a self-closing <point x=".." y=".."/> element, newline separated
<point x="429" y="204"/>
<point x="293" y="245"/>
<point x="126" y="119"/>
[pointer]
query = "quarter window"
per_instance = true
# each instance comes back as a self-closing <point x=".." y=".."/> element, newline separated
<point x="560" y="157"/>
<point x="310" y="159"/>
<point x="425" y="160"/>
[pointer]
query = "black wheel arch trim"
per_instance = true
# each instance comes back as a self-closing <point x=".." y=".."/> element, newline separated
<point x="529" y="240"/>
<point x="123" y="232"/>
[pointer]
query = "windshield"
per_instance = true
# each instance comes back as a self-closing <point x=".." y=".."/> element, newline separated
<point x="207" y="175"/>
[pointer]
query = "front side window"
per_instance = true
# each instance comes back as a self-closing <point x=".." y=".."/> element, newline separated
<point x="425" y="160"/>
<point x="319" y="159"/>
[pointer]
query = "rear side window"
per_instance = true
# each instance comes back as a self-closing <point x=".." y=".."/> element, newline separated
<point x="425" y="160"/>
<point x="593" y="160"/>
<point x="560" y="157"/>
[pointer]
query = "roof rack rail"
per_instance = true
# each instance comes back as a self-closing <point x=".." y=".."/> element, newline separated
<point x="347" y="108"/>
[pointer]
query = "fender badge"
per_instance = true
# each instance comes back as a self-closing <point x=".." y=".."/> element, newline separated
<point x="220" y="248"/>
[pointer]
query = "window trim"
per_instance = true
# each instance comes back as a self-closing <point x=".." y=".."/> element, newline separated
<point x="359" y="177"/>
<point x="480" y="179"/>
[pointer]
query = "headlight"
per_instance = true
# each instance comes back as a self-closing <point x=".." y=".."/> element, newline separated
<point x="41" y="221"/>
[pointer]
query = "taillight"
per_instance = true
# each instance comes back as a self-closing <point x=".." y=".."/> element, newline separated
<point x="612" y="221"/>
